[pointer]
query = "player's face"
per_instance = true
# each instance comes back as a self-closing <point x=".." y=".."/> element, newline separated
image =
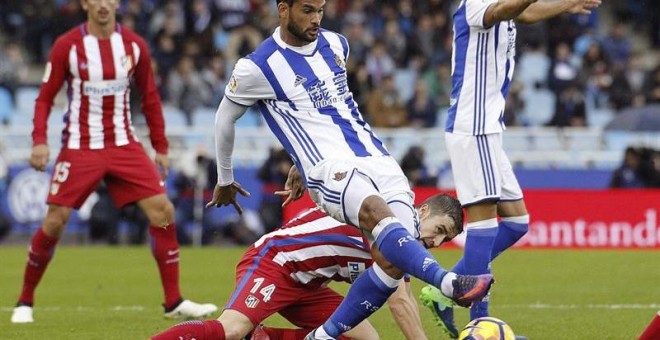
<point x="435" y="230"/>
<point x="101" y="12"/>
<point x="303" y="19"/>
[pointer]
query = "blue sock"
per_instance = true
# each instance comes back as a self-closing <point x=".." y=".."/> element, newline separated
<point x="366" y="295"/>
<point x="476" y="260"/>
<point x="509" y="232"/>
<point x="404" y="252"/>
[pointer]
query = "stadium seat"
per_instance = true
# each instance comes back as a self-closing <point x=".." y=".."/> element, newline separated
<point x="540" y="107"/>
<point x="6" y="105"/>
<point x="25" y="97"/>
<point x="174" y="118"/>
<point x="251" y="119"/>
<point x="204" y="118"/>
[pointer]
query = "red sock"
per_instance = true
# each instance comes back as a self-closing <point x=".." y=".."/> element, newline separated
<point x="652" y="331"/>
<point x="198" y="330"/>
<point x="40" y="252"/>
<point x="165" y="249"/>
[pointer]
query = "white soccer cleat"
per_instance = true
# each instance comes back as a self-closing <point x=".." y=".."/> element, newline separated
<point x="191" y="310"/>
<point x="22" y="314"/>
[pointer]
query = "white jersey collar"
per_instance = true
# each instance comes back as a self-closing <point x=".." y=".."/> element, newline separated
<point x="306" y="49"/>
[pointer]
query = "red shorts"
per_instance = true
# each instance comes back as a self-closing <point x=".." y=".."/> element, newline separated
<point x="129" y="174"/>
<point x="264" y="288"/>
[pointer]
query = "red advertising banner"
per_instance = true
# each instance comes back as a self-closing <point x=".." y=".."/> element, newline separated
<point x="626" y="219"/>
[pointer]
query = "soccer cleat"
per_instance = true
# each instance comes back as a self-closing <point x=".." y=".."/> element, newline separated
<point x="191" y="310"/>
<point x="22" y="314"/>
<point x="471" y="288"/>
<point x="442" y="309"/>
<point x="313" y="336"/>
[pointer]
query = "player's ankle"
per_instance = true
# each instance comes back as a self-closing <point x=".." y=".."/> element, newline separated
<point x="447" y="284"/>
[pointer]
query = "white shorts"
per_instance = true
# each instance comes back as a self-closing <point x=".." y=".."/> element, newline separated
<point x="481" y="169"/>
<point x="340" y="186"/>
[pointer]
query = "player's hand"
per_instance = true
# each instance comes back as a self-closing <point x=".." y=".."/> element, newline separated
<point x="226" y="195"/>
<point x="584" y="6"/>
<point x="163" y="164"/>
<point x="294" y="188"/>
<point x="39" y="157"/>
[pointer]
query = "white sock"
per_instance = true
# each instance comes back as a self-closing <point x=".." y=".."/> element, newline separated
<point x="447" y="285"/>
<point x="320" y="334"/>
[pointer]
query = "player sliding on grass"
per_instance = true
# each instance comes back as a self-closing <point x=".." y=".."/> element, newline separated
<point x="98" y="60"/>
<point x="297" y="78"/>
<point x="287" y="272"/>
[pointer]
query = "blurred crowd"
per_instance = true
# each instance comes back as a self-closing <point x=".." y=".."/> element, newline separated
<point x="400" y="54"/>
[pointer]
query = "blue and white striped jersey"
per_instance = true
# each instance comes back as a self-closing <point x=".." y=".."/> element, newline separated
<point x="303" y="94"/>
<point x="482" y="67"/>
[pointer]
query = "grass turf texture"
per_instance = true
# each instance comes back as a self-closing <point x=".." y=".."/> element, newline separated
<point x="114" y="293"/>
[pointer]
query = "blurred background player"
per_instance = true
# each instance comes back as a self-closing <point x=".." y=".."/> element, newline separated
<point x="97" y="60"/>
<point x="287" y="272"/>
<point x="483" y="63"/>
<point x="297" y="78"/>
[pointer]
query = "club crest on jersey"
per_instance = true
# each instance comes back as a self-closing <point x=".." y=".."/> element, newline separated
<point x="233" y="84"/>
<point x="126" y="62"/>
<point x="340" y="176"/>
<point x="354" y="270"/>
<point x="251" y="301"/>
<point x="339" y="61"/>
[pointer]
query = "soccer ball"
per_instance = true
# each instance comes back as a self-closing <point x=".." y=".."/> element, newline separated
<point x="487" y="328"/>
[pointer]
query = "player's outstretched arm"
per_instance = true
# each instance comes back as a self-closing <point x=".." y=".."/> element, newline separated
<point x="546" y="9"/>
<point x="405" y="311"/>
<point x="294" y="188"/>
<point x="505" y="10"/>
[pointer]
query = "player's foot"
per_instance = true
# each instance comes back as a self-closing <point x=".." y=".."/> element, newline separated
<point x="442" y="309"/>
<point x="22" y="314"/>
<point x="191" y="310"/>
<point x="471" y="288"/>
<point x="313" y="336"/>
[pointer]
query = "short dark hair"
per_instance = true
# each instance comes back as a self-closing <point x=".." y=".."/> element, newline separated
<point x="447" y="204"/>
<point x="289" y="2"/>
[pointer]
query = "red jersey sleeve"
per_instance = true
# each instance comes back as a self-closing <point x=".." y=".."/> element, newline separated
<point x="151" y="104"/>
<point x="54" y="74"/>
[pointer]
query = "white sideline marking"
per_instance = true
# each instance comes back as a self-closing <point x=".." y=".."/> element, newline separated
<point x="653" y="306"/>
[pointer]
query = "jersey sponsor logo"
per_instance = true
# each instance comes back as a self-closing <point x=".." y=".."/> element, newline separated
<point x="105" y="87"/>
<point x="355" y="269"/>
<point x="251" y="301"/>
<point x="47" y="71"/>
<point x="320" y="95"/>
<point x="340" y="176"/>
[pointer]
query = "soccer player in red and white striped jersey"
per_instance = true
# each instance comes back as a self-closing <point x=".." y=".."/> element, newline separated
<point x="98" y="60"/>
<point x="287" y="272"/>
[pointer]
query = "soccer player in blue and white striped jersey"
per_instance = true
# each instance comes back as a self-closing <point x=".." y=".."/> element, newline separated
<point x="483" y="59"/>
<point x="297" y="78"/>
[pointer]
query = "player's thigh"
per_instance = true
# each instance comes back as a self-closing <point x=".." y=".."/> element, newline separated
<point x="341" y="186"/>
<point x="474" y="163"/>
<point x="262" y="289"/>
<point x="312" y="308"/>
<point x="76" y="175"/>
<point x="132" y="175"/>
<point x="510" y="187"/>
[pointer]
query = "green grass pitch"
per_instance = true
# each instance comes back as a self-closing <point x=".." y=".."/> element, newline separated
<point x="114" y="293"/>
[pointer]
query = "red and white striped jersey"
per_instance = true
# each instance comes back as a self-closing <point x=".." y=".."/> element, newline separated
<point x="98" y="73"/>
<point x="314" y="249"/>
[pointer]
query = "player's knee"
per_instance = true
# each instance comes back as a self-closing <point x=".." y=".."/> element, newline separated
<point x="161" y="214"/>
<point x="234" y="332"/>
<point x="55" y="220"/>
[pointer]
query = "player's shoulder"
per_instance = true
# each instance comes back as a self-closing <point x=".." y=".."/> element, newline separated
<point x="69" y="37"/>
<point x="263" y="51"/>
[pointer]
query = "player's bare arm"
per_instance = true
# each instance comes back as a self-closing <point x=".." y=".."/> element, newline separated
<point x="505" y="10"/>
<point x="405" y="312"/>
<point x="294" y="188"/>
<point x="545" y="9"/>
<point x="39" y="157"/>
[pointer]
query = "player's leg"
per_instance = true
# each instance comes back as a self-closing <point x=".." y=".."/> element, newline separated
<point x="133" y="177"/>
<point x="474" y="161"/>
<point x="75" y="176"/>
<point x="514" y="221"/>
